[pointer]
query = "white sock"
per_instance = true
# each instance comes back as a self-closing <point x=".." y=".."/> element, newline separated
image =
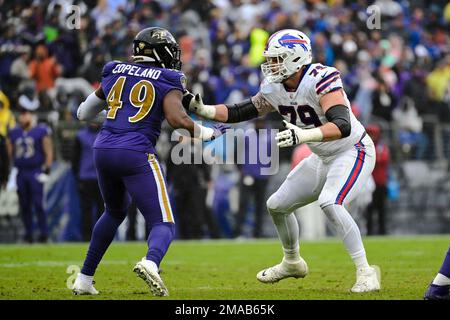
<point x="292" y="255"/>
<point x="441" y="280"/>
<point x="153" y="266"/>
<point x="287" y="229"/>
<point x="361" y="262"/>
<point x="348" y="231"/>
<point x="85" y="278"/>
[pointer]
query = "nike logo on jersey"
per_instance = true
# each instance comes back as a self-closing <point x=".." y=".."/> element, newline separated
<point x="324" y="75"/>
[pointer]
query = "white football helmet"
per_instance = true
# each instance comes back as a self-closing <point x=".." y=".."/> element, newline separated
<point x="286" y="52"/>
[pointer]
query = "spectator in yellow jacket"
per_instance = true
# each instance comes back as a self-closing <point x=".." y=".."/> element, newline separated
<point x="7" y="120"/>
<point x="438" y="79"/>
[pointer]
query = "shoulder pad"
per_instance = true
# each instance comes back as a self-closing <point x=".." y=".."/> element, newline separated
<point x="327" y="80"/>
<point x="45" y="128"/>
<point x="177" y="77"/>
<point x="326" y="71"/>
<point x="109" y="66"/>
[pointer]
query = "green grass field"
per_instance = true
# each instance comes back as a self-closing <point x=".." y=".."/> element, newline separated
<point x="225" y="270"/>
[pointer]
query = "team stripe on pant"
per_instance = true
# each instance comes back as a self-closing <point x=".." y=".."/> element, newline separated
<point x="163" y="197"/>
<point x="354" y="174"/>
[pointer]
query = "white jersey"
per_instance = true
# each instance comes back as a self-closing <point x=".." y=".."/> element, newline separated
<point x="302" y="108"/>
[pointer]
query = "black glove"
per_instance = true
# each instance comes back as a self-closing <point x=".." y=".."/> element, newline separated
<point x="187" y="97"/>
<point x="46" y="170"/>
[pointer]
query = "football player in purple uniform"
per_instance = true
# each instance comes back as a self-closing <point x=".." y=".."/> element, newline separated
<point x="30" y="148"/>
<point x="439" y="288"/>
<point x="138" y="97"/>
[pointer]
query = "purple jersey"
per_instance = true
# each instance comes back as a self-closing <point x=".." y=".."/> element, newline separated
<point x="134" y="94"/>
<point x="28" y="149"/>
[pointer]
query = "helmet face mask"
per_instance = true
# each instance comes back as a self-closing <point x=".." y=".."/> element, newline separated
<point x="286" y="52"/>
<point x="157" y="45"/>
<point x="274" y="69"/>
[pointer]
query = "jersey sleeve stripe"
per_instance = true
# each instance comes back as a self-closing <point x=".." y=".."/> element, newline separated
<point x="334" y="89"/>
<point x="322" y="81"/>
<point x="325" y="85"/>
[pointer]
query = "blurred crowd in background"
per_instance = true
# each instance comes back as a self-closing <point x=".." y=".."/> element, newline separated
<point x="396" y="75"/>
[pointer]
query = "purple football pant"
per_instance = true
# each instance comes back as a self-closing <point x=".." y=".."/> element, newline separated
<point x="121" y="174"/>
<point x="31" y="196"/>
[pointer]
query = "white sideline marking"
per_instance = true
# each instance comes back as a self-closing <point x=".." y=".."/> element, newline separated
<point x="51" y="263"/>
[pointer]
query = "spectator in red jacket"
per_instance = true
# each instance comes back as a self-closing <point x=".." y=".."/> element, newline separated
<point x="380" y="176"/>
<point x="44" y="69"/>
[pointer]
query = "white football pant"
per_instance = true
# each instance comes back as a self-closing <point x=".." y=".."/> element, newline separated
<point x="333" y="182"/>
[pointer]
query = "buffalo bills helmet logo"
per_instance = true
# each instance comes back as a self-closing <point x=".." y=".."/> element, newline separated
<point x="291" y="41"/>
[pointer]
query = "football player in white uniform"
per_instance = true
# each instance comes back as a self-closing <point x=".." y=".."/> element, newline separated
<point x="316" y="111"/>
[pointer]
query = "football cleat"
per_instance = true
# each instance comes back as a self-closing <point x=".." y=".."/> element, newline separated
<point x="283" y="270"/>
<point x="367" y="280"/>
<point x="145" y="271"/>
<point x="83" y="287"/>
<point x="435" y="292"/>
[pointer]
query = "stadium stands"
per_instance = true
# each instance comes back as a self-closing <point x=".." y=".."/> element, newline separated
<point x="396" y="75"/>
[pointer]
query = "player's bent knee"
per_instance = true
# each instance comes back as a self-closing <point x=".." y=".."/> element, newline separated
<point x="340" y="218"/>
<point x="326" y="200"/>
<point x="275" y="205"/>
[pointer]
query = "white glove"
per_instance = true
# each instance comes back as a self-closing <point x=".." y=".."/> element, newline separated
<point x="195" y="104"/>
<point x="43" y="178"/>
<point x="295" y="135"/>
<point x="209" y="134"/>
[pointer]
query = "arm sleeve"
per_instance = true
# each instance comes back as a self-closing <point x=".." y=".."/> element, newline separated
<point x="340" y="116"/>
<point x="242" y="111"/>
<point x="108" y="67"/>
<point x="90" y="108"/>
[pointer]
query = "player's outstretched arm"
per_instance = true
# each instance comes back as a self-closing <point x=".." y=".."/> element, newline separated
<point x="177" y="118"/>
<point x="93" y="108"/>
<point x="243" y="111"/>
<point x="338" y="115"/>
